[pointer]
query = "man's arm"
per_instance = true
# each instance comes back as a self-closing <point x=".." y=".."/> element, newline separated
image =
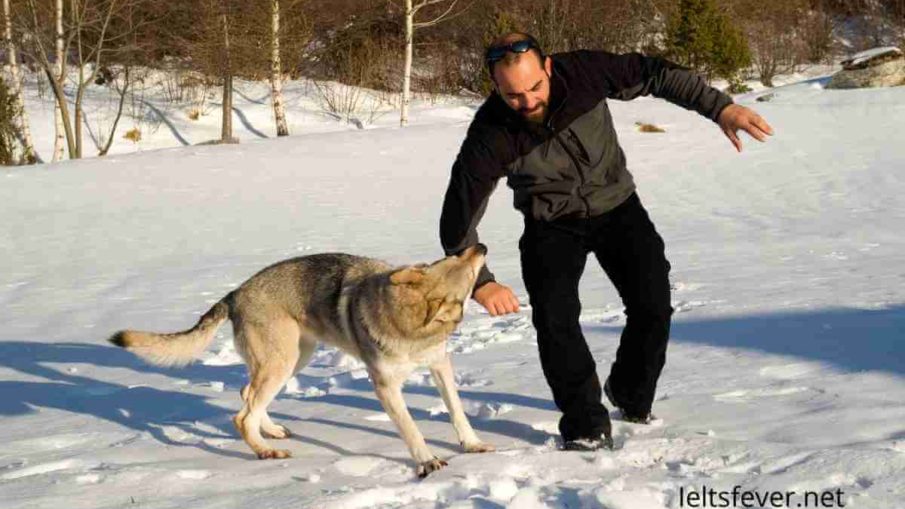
<point x="632" y="75"/>
<point x="473" y="179"/>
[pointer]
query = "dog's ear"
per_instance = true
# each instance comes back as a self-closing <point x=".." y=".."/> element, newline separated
<point x="407" y="276"/>
<point x="443" y="311"/>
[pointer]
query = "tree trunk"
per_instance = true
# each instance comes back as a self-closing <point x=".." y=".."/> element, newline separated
<point x="59" y="69"/>
<point x="119" y="113"/>
<point x="407" y="71"/>
<point x="79" y="96"/>
<point x="28" y="156"/>
<point x="60" y="97"/>
<point x="276" y="77"/>
<point x="226" y="132"/>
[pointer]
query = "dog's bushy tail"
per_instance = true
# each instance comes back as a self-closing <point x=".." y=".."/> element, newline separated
<point x="177" y="349"/>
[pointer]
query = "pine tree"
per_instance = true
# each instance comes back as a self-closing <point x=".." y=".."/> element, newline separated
<point x="702" y="37"/>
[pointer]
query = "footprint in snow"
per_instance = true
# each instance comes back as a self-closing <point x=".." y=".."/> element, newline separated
<point x="193" y="475"/>
<point x="684" y="306"/>
<point x="358" y="466"/>
<point x="482" y="333"/>
<point x="788" y="371"/>
<point x="469" y="380"/>
<point x="679" y="287"/>
<point x="743" y="396"/>
<point x="46" y="468"/>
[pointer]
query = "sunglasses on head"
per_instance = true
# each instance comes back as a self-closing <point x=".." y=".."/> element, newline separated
<point x="496" y="53"/>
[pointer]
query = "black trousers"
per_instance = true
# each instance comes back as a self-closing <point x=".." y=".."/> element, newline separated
<point x="631" y="252"/>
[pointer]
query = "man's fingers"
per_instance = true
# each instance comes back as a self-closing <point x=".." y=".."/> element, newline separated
<point x="762" y="124"/>
<point x="733" y="137"/>
<point x="755" y="132"/>
<point x="513" y="304"/>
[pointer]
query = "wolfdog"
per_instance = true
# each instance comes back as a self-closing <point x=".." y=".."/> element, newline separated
<point x="392" y="319"/>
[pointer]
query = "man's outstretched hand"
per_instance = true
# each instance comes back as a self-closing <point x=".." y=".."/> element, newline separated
<point x="735" y="117"/>
<point x="497" y="299"/>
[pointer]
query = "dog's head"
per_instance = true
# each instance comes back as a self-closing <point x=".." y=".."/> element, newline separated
<point x="430" y="299"/>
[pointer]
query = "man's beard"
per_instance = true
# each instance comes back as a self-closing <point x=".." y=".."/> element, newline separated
<point x="536" y="115"/>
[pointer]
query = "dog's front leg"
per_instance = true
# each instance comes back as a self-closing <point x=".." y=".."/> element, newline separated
<point x="389" y="392"/>
<point x="442" y="372"/>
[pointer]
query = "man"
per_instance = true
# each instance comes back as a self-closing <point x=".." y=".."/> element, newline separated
<point x="547" y="129"/>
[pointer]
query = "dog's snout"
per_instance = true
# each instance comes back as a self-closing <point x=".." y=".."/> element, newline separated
<point x="475" y="250"/>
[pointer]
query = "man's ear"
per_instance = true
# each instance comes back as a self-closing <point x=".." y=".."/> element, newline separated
<point x="548" y="66"/>
<point x="407" y="276"/>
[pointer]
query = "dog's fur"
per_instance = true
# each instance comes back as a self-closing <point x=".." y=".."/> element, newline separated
<point x="393" y="320"/>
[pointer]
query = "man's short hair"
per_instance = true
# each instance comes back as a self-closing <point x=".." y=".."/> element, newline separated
<point x="510" y="58"/>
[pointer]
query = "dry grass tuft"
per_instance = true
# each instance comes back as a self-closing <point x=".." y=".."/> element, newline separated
<point x="134" y="135"/>
<point x="649" y="128"/>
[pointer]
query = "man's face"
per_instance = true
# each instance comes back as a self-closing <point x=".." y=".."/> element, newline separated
<point x="525" y="86"/>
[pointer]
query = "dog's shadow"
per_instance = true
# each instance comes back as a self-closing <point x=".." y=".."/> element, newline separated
<point x="62" y="380"/>
<point x="62" y="372"/>
<point x="498" y="426"/>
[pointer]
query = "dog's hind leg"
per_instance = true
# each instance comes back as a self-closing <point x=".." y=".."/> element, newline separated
<point x="442" y="373"/>
<point x="269" y="428"/>
<point x="272" y="354"/>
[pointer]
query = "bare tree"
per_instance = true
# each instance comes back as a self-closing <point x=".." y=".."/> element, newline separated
<point x="817" y="29"/>
<point x="84" y="32"/>
<point x="410" y="12"/>
<point x="774" y="36"/>
<point x="28" y="156"/>
<point x="122" y="91"/>
<point x="89" y="52"/>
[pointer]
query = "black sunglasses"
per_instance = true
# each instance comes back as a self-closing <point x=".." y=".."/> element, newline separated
<point x="496" y="53"/>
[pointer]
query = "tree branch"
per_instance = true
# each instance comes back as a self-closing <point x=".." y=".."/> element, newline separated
<point x="439" y="18"/>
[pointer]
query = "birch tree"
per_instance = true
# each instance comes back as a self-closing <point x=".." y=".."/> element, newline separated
<point x="59" y="72"/>
<point x="276" y="70"/>
<point x="28" y="155"/>
<point x="410" y="12"/>
<point x="226" y="128"/>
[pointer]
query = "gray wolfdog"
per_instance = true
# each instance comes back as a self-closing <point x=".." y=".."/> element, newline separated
<point x="392" y="319"/>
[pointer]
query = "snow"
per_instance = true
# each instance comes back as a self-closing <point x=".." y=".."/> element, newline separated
<point x="864" y="56"/>
<point x="785" y="369"/>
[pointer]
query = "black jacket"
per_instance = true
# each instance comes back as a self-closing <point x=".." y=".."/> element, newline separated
<point x="572" y="165"/>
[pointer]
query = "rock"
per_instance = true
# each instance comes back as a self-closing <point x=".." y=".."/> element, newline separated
<point x="879" y="67"/>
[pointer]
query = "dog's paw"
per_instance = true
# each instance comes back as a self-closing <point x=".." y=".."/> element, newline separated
<point x="277" y="432"/>
<point x="478" y="447"/>
<point x="430" y="466"/>
<point x="273" y="454"/>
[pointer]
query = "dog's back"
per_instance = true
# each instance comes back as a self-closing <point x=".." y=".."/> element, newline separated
<point x="307" y="289"/>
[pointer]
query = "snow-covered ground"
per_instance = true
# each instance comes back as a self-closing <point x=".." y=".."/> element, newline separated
<point x="785" y="371"/>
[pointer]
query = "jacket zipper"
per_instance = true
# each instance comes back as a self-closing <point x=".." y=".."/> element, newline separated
<point x="581" y="177"/>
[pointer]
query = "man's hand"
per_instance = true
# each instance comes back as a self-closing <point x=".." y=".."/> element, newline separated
<point x="497" y="299"/>
<point x="735" y="117"/>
